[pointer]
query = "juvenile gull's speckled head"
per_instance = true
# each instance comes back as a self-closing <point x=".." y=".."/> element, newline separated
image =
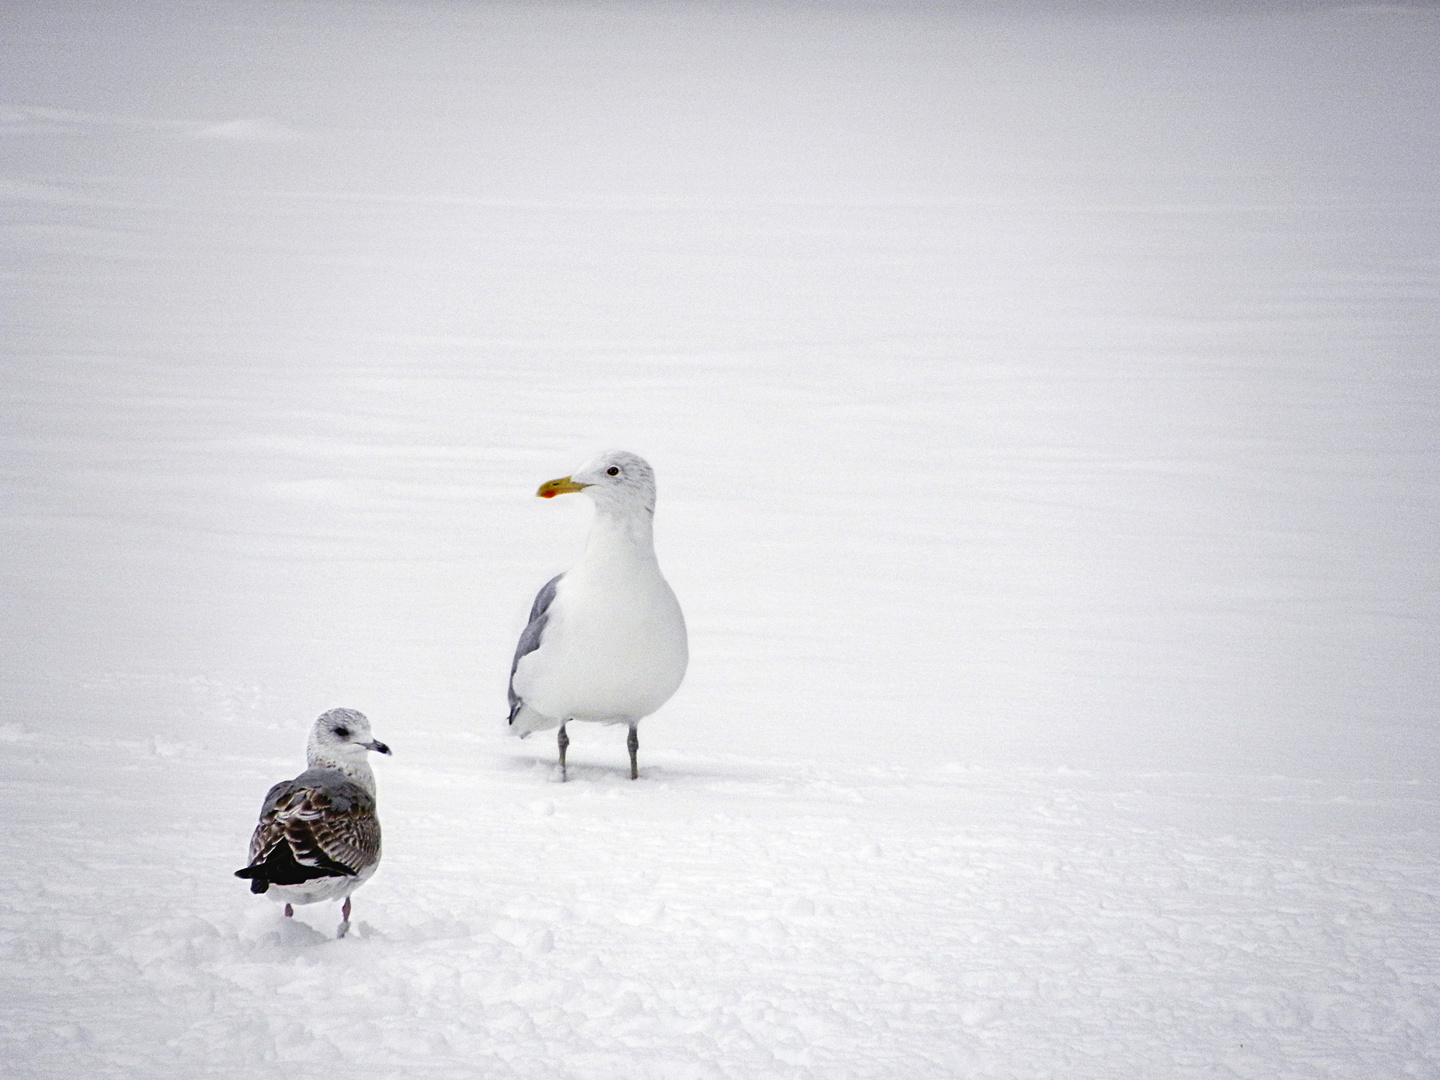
<point x="341" y="740"/>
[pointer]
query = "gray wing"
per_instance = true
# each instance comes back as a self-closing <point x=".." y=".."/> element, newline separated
<point x="327" y="822"/>
<point x="530" y="637"/>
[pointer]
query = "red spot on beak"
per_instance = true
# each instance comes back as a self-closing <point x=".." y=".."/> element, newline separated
<point x="551" y="488"/>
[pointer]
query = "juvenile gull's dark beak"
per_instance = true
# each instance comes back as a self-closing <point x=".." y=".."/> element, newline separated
<point x="378" y="746"/>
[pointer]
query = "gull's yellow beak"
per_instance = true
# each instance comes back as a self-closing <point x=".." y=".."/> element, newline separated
<point x="550" y="488"/>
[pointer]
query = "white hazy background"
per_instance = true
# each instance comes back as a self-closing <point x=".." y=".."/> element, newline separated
<point x="1023" y="383"/>
<point x="1045" y="401"/>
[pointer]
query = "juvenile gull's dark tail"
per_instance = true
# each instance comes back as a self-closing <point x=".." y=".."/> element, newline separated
<point x="280" y="867"/>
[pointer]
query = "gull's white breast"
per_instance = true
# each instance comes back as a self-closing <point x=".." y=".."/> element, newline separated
<point x="322" y="888"/>
<point x="614" y="648"/>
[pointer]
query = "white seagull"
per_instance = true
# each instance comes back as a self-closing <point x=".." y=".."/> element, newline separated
<point x="318" y="837"/>
<point x="606" y="639"/>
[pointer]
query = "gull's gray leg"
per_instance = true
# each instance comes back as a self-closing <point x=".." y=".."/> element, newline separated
<point x="344" y="919"/>
<point x="563" y="740"/>
<point x="289" y="912"/>
<point x="633" y="742"/>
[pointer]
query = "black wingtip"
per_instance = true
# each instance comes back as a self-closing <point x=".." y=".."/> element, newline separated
<point x="257" y="883"/>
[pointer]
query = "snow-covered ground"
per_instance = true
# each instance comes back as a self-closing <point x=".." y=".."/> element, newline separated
<point x="1047" y="421"/>
<point x="723" y="917"/>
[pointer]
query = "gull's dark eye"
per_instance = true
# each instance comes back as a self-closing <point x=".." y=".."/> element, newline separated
<point x="613" y="470"/>
<point x="343" y="732"/>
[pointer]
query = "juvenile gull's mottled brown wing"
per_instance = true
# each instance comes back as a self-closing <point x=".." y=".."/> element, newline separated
<point x="327" y="822"/>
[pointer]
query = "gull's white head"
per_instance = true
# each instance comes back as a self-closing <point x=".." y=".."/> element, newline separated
<point x="617" y="481"/>
<point x="341" y="740"/>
